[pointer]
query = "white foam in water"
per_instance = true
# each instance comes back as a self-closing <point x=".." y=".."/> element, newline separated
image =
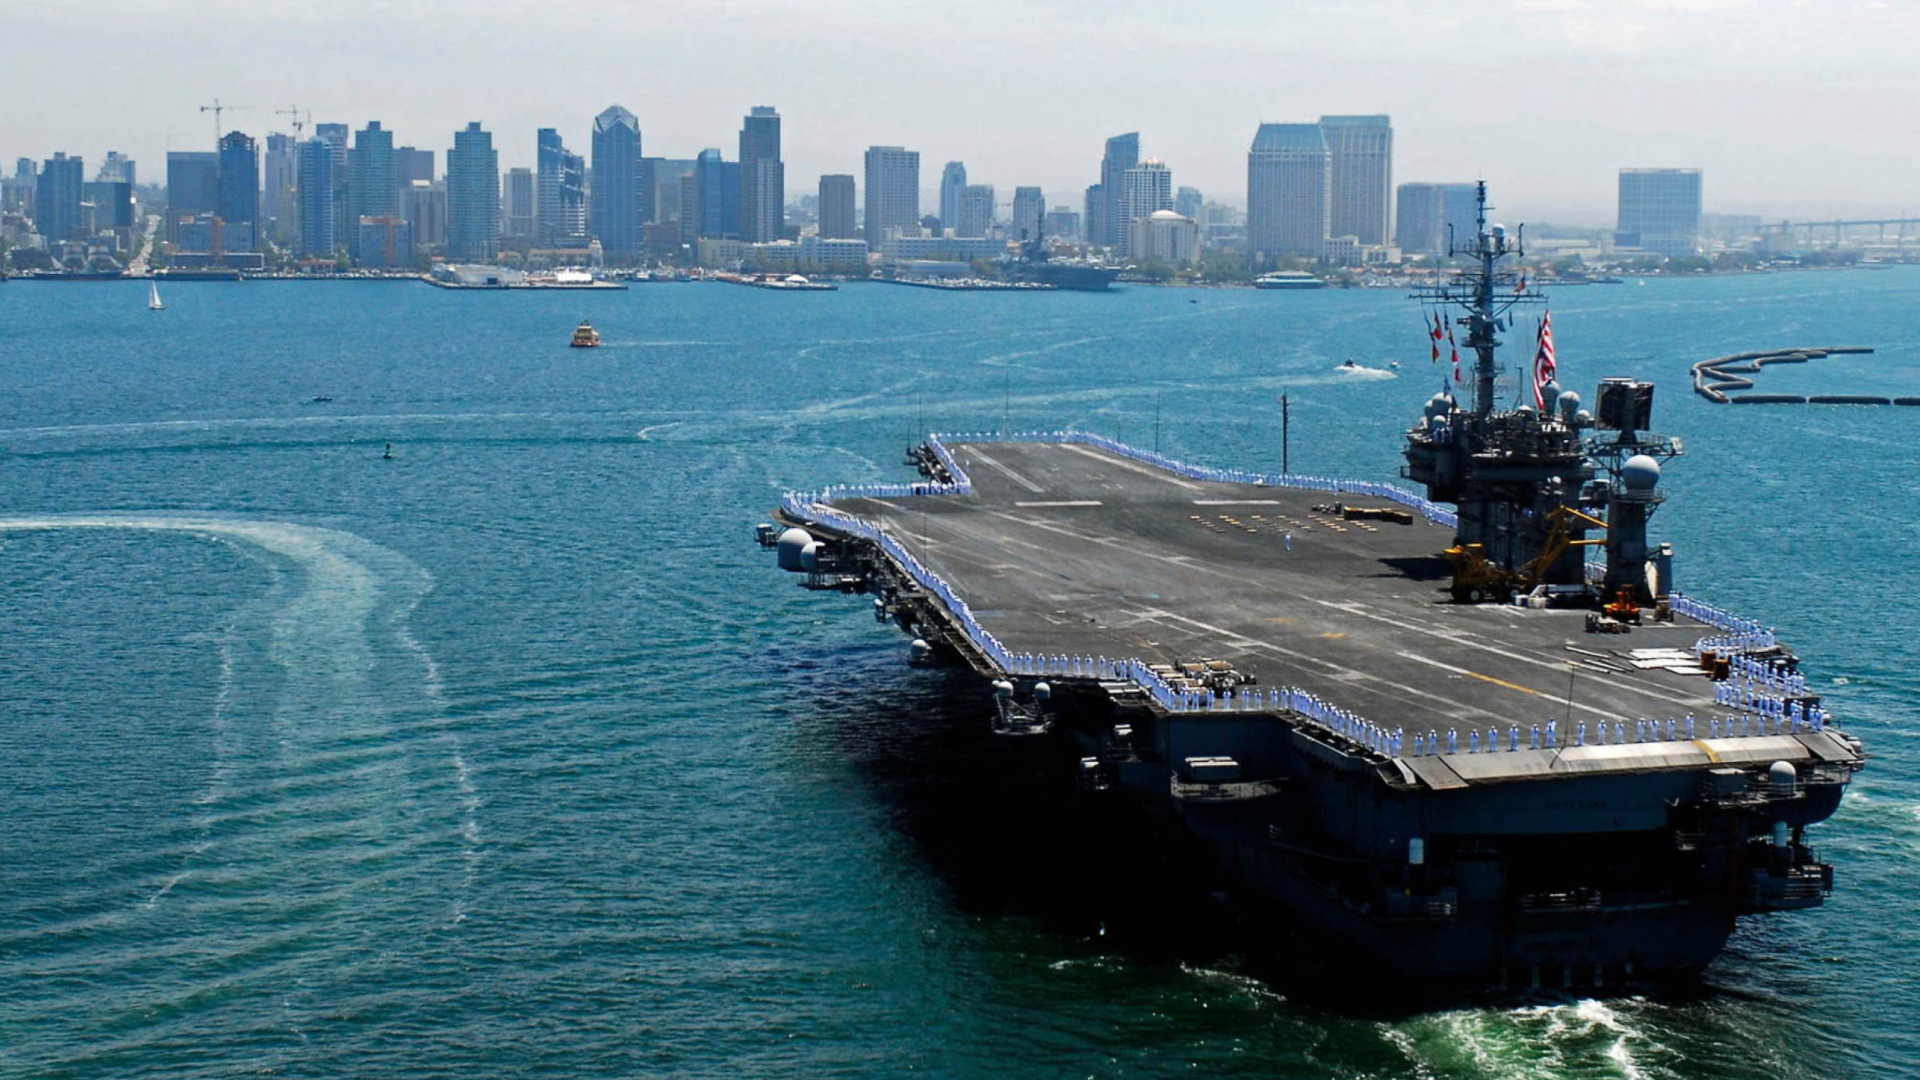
<point x="320" y="635"/>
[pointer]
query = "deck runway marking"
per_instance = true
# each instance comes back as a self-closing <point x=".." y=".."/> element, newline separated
<point x="1007" y="471"/>
<point x="1431" y="662"/>
<point x="1237" y="502"/>
<point x="1062" y="502"/>
<point x="1454" y="638"/>
<point x="1123" y="463"/>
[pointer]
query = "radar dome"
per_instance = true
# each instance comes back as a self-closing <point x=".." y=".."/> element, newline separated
<point x="1640" y="473"/>
<point x="1551" y="391"/>
<point x="788" y="547"/>
<point x="1583" y="418"/>
<point x="1569" y="404"/>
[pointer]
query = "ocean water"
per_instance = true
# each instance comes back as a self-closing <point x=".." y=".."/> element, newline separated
<point x="511" y="755"/>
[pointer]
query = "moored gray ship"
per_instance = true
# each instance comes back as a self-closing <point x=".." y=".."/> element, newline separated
<point x="1474" y="735"/>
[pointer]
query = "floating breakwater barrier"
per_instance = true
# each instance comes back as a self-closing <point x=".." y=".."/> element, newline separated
<point x="1713" y="378"/>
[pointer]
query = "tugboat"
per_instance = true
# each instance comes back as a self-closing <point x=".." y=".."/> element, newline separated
<point x="585" y="336"/>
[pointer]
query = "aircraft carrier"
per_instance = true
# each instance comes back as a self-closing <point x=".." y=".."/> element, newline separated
<point x="1473" y="735"/>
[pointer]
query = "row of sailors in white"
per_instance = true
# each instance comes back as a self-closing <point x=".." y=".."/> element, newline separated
<point x="1747" y="633"/>
<point x="1649" y="730"/>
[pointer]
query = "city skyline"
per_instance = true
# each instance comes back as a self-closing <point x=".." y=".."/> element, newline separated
<point x="1548" y="103"/>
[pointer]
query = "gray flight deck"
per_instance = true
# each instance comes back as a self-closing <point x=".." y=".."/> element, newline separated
<point x="1070" y="549"/>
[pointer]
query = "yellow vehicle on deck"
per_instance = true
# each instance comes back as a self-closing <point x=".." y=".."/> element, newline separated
<point x="1478" y="579"/>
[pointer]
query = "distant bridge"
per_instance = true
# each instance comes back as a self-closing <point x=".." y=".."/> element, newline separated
<point x="1789" y="230"/>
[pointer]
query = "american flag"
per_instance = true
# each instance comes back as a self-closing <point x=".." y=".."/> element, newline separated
<point x="1543" y="361"/>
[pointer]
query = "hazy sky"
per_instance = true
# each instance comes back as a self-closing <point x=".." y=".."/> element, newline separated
<point x="1792" y="107"/>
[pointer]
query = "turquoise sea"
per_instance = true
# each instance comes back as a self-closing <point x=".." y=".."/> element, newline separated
<point x="513" y="756"/>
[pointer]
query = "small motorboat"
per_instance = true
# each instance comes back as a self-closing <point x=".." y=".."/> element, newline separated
<point x="585" y="336"/>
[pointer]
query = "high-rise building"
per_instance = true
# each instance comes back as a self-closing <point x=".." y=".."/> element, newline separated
<point x="108" y="205"/>
<point x="1105" y="225"/>
<point x="618" y="206"/>
<point x="953" y="180"/>
<point x="18" y="191"/>
<point x="409" y="165"/>
<point x="473" y="196"/>
<point x="193" y="187"/>
<point x="1146" y="189"/>
<point x="1288" y="170"/>
<point x="373" y="185"/>
<point x="522" y="203"/>
<point x="662" y="176"/>
<point x="1417" y="219"/>
<point x="118" y="168"/>
<point x="425" y="203"/>
<point x="1063" y="223"/>
<point x="689" y="200"/>
<point x="239" y="201"/>
<point x="336" y="136"/>
<point x="719" y="185"/>
<point x="1659" y="211"/>
<point x="314" y="187"/>
<point x="560" y="183"/>
<point x="763" y="178"/>
<point x="385" y="242"/>
<point x="1164" y="236"/>
<point x="893" y="192"/>
<point x="836" y="207"/>
<point x="1188" y="202"/>
<point x="1360" y="176"/>
<point x="278" y="181"/>
<point x="1029" y="206"/>
<point x="976" y="211"/>
<point x="57" y="197"/>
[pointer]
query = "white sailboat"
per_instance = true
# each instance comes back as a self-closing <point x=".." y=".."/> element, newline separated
<point x="153" y="296"/>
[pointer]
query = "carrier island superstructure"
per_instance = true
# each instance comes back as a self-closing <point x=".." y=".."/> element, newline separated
<point x="1471" y="735"/>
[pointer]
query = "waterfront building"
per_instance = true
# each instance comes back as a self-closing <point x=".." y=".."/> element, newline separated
<point x="763" y="178"/>
<point x="836" y="207"/>
<point x="619" y="203"/>
<point x="239" y="191"/>
<point x="893" y="192"/>
<point x="1188" y="202"/>
<point x="1104" y="224"/>
<point x="1417" y="219"/>
<point x="560" y="183"/>
<point x="720" y="252"/>
<point x="689" y="201"/>
<point x="719" y="186"/>
<point x="953" y="181"/>
<point x="833" y="255"/>
<point x="313" y="196"/>
<point x="373" y="190"/>
<point x="1146" y="189"/>
<point x="425" y="203"/>
<point x="473" y="196"/>
<point x="57" y="195"/>
<point x="1659" y="211"/>
<point x="915" y="247"/>
<point x="520" y="205"/>
<point x="1360" y="176"/>
<point x="193" y="187"/>
<point x="279" y="179"/>
<point x="1164" y="236"/>
<point x="385" y="242"/>
<point x="1288" y="170"/>
<point x="336" y="136"/>
<point x="975" y="210"/>
<point x="1029" y="206"/>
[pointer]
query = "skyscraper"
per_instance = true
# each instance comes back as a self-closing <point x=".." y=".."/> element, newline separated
<point x="1659" y="211"/>
<point x="836" y="207"/>
<point x="410" y="164"/>
<point x="560" y="182"/>
<point x="1188" y="202"/>
<point x="57" y="197"/>
<point x="953" y="179"/>
<point x="521" y="203"/>
<point x="1360" y="176"/>
<point x="314" y="186"/>
<point x="1029" y="206"/>
<point x="975" y="210"/>
<point x="763" y="177"/>
<point x="1417" y="219"/>
<point x="719" y="187"/>
<point x="1145" y="189"/>
<point x="373" y="185"/>
<point x="279" y="180"/>
<point x="118" y="168"/>
<point x="473" y="196"/>
<point x="616" y="209"/>
<point x="893" y="192"/>
<point x="1288" y="170"/>
<point x="1104" y="224"/>
<point x="193" y="187"/>
<point x="335" y="136"/>
<point x="239" y="191"/>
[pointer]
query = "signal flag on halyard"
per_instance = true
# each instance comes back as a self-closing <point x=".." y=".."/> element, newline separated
<point x="1434" y="334"/>
<point x="1543" y="361"/>
<point x="1454" y="353"/>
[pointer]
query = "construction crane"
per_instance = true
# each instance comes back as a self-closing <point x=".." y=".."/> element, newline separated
<point x="298" y="123"/>
<point x="217" y="109"/>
